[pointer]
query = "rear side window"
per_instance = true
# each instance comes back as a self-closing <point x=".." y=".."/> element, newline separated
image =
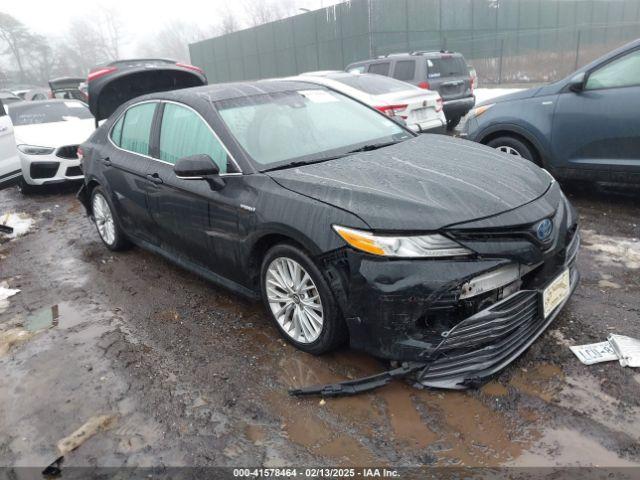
<point x="136" y="128"/>
<point x="184" y="133"/>
<point x="379" y="68"/>
<point x="116" y="132"/>
<point x="446" y="67"/>
<point x="357" y="69"/>
<point x="405" y="70"/>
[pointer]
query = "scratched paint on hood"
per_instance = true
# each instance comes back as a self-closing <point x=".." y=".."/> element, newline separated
<point x="424" y="183"/>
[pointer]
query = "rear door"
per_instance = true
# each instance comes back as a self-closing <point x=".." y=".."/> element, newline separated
<point x="449" y="75"/>
<point x="598" y="128"/>
<point x="193" y="220"/>
<point x="10" y="170"/>
<point x="125" y="160"/>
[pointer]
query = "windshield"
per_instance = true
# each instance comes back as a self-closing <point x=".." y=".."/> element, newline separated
<point x="446" y="67"/>
<point x="304" y="126"/>
<point x="48" y="112"/>
<point x="374" y="84"/>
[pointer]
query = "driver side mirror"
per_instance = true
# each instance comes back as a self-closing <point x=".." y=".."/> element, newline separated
<point x="199" y="167"/>
<point x="577" y="82"/>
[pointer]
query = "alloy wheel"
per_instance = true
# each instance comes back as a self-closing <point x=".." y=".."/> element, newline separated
<point x="294" y="300"/>
<point x="104" y="219"/>
<point x="509" y="150"/>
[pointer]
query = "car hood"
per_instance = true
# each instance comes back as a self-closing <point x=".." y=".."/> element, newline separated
<point x="423" y="184"/>
<point x="56" y="134"/>
<point x="521" y="95"/>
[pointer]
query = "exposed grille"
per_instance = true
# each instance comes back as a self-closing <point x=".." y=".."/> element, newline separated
<point x="43" y="169"/>
<point x="69" y="152"/>
<point x="489" y="338"/>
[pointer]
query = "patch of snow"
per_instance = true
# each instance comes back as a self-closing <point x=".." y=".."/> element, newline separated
<point x="611" y="250"/>
<point x="20" y="222"/>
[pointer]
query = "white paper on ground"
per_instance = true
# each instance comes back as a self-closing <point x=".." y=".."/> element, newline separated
<point x="7" y="292"/>
<point x="595" y="353"/>
<point x="627" y="349"/>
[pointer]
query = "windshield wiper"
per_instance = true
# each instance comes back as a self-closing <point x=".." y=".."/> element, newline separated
<point x="365" y="148"/>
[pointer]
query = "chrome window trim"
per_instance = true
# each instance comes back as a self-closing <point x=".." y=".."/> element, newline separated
<point x="230" y="174"/>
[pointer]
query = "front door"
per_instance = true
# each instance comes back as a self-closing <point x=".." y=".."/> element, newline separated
<point x="194" y="221"/>
<point x="598" y="128"/>
<point x="10" y="170"/>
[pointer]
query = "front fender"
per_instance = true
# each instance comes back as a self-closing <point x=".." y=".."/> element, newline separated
<point x="530" y="133"/>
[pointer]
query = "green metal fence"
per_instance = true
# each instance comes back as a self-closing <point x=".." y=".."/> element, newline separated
<point x="506" y="40"/>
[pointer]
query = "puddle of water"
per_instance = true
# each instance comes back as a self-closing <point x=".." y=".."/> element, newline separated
<point x="541" y="381"/>
<point x="567" y="447"/>
<point x="494" y="389"/>
<point x="62" y="315"/>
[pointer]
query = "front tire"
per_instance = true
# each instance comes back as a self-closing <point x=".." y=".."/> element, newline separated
<point x="513" y="146"/>
<point x="300" y="301"/>
<point x="106" y="223"/>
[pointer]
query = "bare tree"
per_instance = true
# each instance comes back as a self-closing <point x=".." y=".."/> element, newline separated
<point x="228" y="22"/>
<point x="41" y="60"/>
<point x="111" y="31"/>
<point x="83" y="46"/>
<point x="16" y="37"/>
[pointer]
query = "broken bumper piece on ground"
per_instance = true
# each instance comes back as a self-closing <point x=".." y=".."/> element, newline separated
<point x="470" y="353"/>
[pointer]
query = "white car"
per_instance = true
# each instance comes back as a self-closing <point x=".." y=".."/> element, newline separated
<point x="420" y="109"/>
<point x="47" y="134"/>
<point x="9" y="160"/>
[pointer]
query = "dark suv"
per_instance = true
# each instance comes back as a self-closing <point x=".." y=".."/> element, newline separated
<point x="445" y="72"/>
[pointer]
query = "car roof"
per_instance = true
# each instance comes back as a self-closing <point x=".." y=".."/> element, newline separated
<point x="227" y="91"/>
<point x="407" y="55"/>
<point x="27" y="103"/>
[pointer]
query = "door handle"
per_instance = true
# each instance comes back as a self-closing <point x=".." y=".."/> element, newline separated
<point x="106" y="161"/>
<point x="155" y="178"/>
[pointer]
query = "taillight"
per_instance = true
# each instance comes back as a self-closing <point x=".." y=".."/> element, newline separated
<point x="190" y="67"/>
<point x="80" y="153"/>
<point x="424" y="85"/>
<point x="391" y="110"/>
<point x="101" y="72"/>
<point x="471" y="82"/>
<point x="439" y="104"/>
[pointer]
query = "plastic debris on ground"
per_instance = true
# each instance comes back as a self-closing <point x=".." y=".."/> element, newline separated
<point x="20" y="222"/>
<point x="617" y="347"/>
<point x="86" y="431"/>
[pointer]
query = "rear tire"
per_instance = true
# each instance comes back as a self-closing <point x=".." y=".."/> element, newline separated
<point x="107" y="224"/>
<point x="513" y="146"/>
<point x="25" y="188"/>
<point x="292" y="284"/>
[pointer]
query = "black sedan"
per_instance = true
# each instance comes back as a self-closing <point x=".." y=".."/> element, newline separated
<point x="346" y="224"/>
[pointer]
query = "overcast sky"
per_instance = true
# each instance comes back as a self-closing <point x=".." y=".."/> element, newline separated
<point x="141" y="17"/>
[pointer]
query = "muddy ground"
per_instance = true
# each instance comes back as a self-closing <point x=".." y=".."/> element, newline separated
<point x="192" y="375"/>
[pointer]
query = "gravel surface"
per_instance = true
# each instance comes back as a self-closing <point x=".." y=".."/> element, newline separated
<point x="180" y="372"/>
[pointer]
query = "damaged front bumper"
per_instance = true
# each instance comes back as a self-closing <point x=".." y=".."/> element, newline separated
<point x="462" y="319"/>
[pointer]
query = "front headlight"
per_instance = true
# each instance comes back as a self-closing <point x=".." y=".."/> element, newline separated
<point x="418" y="246"/>
<point x="35" y="150"/>
<point x="476" y="112"/>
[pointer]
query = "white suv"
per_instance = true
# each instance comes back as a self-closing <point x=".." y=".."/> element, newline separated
<point x="10" y="170"/>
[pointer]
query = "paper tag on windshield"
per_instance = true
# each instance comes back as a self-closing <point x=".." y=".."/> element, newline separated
<point x="318" y="96"/>
<point x="595" y="353"/>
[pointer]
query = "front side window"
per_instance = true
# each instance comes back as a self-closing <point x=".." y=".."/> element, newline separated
<point x="136" y="128"/>
<point x="405" y="70"/>
<point x="379" y="68"/>
<point x="623" y="72"/>
<point x="280" y="128"/>
<point x="357" y="69"/>
<point x="184" y="133"/>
